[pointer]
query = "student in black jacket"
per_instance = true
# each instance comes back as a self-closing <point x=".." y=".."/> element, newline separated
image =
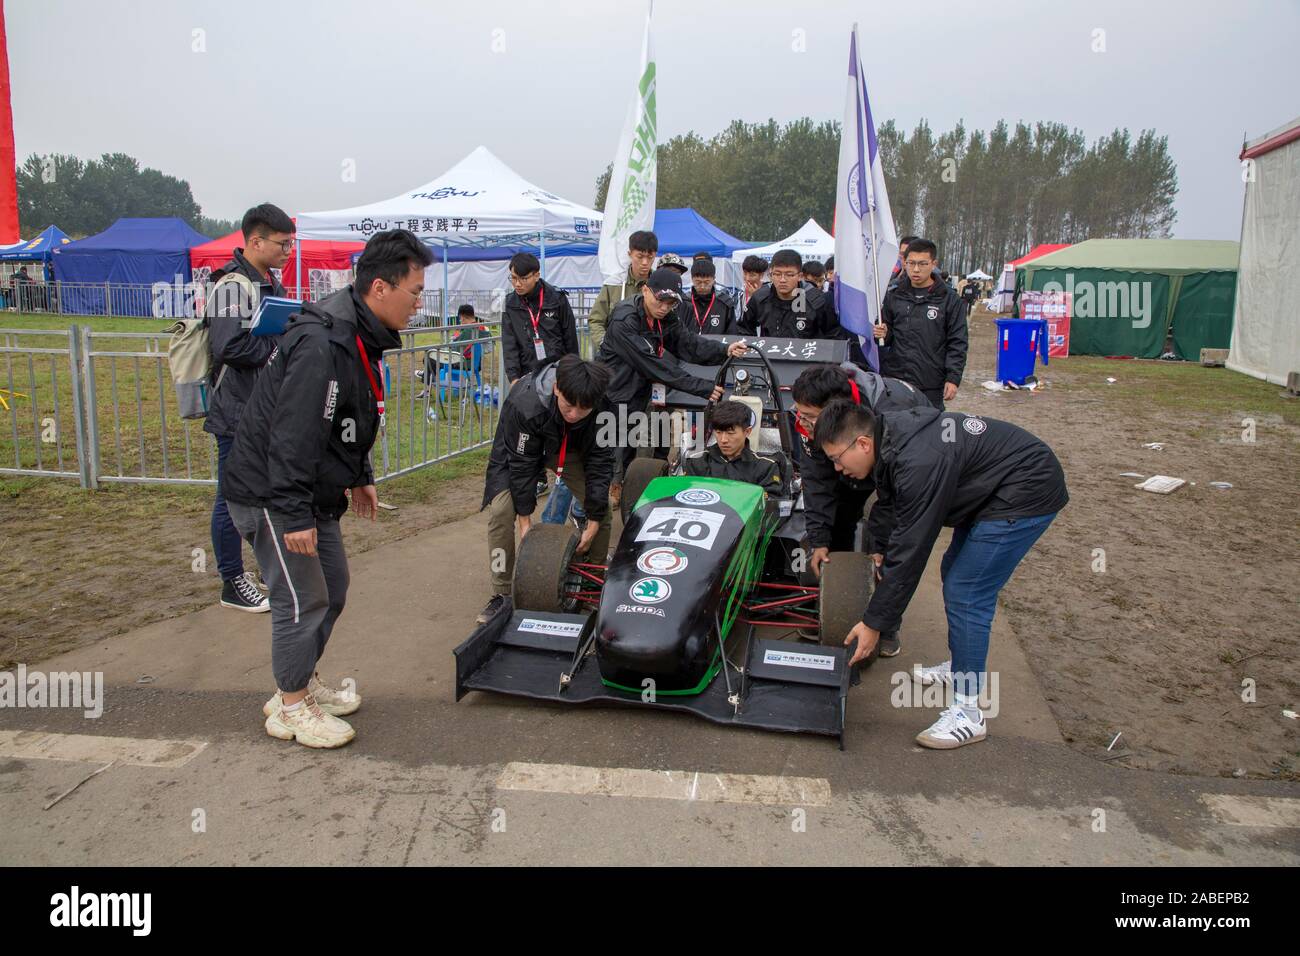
<point x="237" y="355"/>
<point x="537" y="324"/>
<point x="552" y="418"/>
<point x="732" y="458"/>
<point x="995" y="484"/>
<point x="644" y="346"/>
<point x="302" y="447"/>
<point x="785" y="309"/>
<point x="833" y="504"/>
<point x="923" y="328"/>
<point x="708" y="310"/>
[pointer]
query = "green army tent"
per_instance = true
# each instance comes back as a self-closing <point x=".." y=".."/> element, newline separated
<point x="1128" y="294"/>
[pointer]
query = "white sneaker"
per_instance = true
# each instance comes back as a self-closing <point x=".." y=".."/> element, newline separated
<point x="338" y="703"/>
<point x="310" y="726"/>
<point x="938" y="674"/>
<point x="953" y="729"/>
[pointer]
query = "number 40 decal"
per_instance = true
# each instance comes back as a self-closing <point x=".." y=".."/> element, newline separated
<point x="681" y="526"/>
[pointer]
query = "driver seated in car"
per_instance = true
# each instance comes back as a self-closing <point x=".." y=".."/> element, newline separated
<point x="732" y="457"/>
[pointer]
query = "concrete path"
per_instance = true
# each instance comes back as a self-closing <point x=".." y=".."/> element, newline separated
<point x="195" y="779"/>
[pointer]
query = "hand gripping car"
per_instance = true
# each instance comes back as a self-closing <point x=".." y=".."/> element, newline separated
<point x="702" y="565"/>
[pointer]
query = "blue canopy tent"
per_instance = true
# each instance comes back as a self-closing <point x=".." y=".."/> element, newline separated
<point x="686" y="232"/>
<point x="131" y="251"/>
<point x="39" y="249"/>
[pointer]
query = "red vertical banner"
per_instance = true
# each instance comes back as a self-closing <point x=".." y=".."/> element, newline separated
<point x="1055" y="308"/>
<point x="8" y="157"/>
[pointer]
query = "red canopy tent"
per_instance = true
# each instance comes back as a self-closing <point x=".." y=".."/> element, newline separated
<point x="1040" y="250"/>
<point x="316" y="254"/>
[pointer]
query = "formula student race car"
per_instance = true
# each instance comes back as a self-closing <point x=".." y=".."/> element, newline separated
<point x="673" y="621"/>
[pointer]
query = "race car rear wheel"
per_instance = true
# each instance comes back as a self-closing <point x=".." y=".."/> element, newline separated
<point x="640" y="473"/>
<point x="542" y="567"/>
<point x="846" y="585"/>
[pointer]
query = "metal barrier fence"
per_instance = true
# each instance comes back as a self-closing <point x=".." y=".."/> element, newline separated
<point x="100" y="406"/>
<point x="42" y="387"/>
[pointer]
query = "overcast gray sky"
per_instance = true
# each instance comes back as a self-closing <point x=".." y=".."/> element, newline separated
<point x="405" y="89"/>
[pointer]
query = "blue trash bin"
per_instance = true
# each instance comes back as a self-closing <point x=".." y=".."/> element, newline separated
<point x="1019" y="343"/>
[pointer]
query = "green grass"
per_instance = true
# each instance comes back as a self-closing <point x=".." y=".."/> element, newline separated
<point x="1181" y="385"/>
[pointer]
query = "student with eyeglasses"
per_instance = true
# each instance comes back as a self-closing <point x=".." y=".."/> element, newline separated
<point x="237" y="355"/>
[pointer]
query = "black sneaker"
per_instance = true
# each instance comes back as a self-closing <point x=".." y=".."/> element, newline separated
<point x="241" y="594"/>
<point x="890" y="645"/>
<point x="490" y="609"/>
<point x="541" y="488"/>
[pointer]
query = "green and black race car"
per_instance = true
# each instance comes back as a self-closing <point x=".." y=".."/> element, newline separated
<point x="673" y="621"/>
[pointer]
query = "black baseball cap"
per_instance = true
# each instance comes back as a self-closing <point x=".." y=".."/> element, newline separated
<point x="665" y="283"/>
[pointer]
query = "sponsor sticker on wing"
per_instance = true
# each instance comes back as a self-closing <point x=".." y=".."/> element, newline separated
<point x="681" y="526"/>
<point x="534" y="625"/>
<point x="795" y="659"/>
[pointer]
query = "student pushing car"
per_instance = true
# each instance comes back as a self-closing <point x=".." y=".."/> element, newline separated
<point x="995" y="484"/>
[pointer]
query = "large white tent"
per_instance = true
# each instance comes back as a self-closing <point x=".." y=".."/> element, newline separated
<point x="811" y="241"/>
<point x="478" y="212"/>
<point x="1265" y="333"/>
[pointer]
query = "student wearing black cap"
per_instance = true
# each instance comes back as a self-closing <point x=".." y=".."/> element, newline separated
<point x="708" y="310"/>
<point x="645" y="345"/>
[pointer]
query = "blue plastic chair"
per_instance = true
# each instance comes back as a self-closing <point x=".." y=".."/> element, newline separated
<point x="464" y="383"/>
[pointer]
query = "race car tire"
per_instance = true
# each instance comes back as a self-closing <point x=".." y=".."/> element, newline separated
<point x="640" y="473"/>
<point x="846" y="585"/>
<point x="542" y="566"/>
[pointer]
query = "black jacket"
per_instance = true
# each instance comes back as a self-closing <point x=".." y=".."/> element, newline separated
<point x="528" y="437"/>
<point x="237" y="354"/>
<point x="769" y="315"/>
<point x="713" y="314"/>
<point x="818" y="474"/>
<point x="936" y="469"/>
<point x="772" y="474"/>
<point x="926" y="342"/>
<point x="640" y="353"/>
<point x="306" y="434"/>
<point x="555" y="325"/>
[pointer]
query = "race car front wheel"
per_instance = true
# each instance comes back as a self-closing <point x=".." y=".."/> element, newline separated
<point x="846" y="585"/>
<point x="542" y="568"/>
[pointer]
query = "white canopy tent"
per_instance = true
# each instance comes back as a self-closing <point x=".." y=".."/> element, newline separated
<point x="980" y="276"/>
<point x="479" y="211"/>
<point x="811" y="241"/>
<point x="1265" y="334"/>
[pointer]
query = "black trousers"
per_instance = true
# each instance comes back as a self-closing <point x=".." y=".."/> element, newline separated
<point x="935" y="395"/>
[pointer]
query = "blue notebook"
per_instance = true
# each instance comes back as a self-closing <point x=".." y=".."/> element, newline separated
<point x="273" y="314"/>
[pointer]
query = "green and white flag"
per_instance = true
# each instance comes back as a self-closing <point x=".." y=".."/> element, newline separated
<point x="630" y="203"/>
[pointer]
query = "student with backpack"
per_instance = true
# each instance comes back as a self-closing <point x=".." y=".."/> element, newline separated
<point x="237" y="356"/>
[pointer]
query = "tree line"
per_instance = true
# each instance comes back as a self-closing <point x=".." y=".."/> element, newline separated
<point x="83" y="197"/>
<point x="983" y="197"/>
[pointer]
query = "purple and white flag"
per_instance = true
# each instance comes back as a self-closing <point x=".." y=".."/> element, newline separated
<point x="866" y="243"/>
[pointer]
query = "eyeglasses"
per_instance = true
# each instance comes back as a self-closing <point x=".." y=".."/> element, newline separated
<point x="835" y="459"/>
<point x="286" y="245"/>
<point x="414" y="295"/>
<point x="785" y="275"/>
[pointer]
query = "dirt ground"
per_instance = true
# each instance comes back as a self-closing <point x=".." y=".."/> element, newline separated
<point x="1197" y="601"/>
<point x="76" y="567"/>
<point x="1195" y="607"/>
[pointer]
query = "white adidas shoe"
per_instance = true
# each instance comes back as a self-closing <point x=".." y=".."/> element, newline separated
<point x="338" y="703"/>
<point x="310" y="726"/>
<point x="953" y="729"/>
<point x="938" y="674"/>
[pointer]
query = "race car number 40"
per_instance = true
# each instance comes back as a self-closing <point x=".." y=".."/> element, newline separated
<point x="681" y="526"/>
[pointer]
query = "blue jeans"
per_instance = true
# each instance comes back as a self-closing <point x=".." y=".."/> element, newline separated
<point x="977" y="564"/>
<point x="227" y="546"/>
<point x="557" y="506"/>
